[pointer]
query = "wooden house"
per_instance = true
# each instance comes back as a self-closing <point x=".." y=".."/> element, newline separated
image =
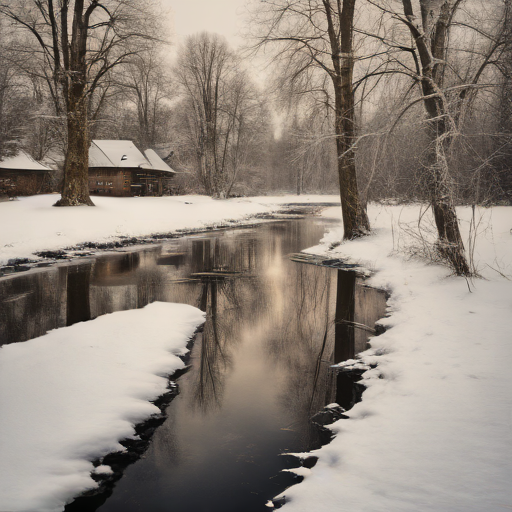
<point x="21" y="175"/>
<point x="118" y="168"/>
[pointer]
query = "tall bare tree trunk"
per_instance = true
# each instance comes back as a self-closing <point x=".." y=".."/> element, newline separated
<point x="432" y="52"/>
<point x="76" y="183"/>
<point x="355" y="219"/>
<point x="211" y="160"/>
<point x="80" y="42"/>
<point x="76" y="171"/>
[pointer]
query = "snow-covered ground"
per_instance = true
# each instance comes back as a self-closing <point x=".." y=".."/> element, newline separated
<point x="434" y="429"/>
<point x="68" y="397"/>
<point x="32" y="224"/>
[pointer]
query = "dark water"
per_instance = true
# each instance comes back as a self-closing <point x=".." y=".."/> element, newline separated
<point x="259" y="370"/>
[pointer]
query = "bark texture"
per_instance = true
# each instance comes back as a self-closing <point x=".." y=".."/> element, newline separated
<point x="355" y="219"/>
<point x="75" y="191"/>
<point x="80" y="42"/>
<point x="431" y="39"/>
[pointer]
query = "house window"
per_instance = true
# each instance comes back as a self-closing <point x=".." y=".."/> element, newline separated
<point x="99" y="183"/>
<point x="109" y="183"/>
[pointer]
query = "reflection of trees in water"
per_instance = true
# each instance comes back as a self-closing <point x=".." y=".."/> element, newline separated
<point x="358" y="308"/>
<point x="133" y="280"/>
<point x="36" y="302"/>
<point x="345" y="316"/>
<point x="77" y="290"/>
<point x="225" y="300"/>
<point x="294" y="235"/>
<point x="333" y="317"/>
<point x="124" y="281"/>
<point x="306" y="343"/>
<point x="308" y="314"/>
<point x="323" y="324"/>
<point x="225" y="252"/>
<point x="214" y="355"/>
<point x="114" y="282"/>
<point x="32" y="304"/>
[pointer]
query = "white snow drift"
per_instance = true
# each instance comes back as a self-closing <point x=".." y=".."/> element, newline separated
<point x="434" y="429"/>
<point x="68" y="397"/>
<point x="32" y="224"/>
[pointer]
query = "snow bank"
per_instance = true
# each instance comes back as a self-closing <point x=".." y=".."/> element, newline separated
<point x="434" y="429"/>
<point x="32" y="224"/>
<point x="68" y="397"/>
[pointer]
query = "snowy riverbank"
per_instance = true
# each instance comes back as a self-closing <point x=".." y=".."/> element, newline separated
<point x="32" y="224"/>
<point x="434" y="429"/>
<point x="70" y="396"/>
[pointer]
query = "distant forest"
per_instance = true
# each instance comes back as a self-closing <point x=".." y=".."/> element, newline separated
<point x="231" y="133"/>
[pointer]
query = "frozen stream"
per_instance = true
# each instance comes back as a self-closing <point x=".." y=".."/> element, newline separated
<point x="259" y="370"/>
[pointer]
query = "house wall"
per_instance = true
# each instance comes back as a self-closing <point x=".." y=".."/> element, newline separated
<point x="149" y="183"/>
<point x="127" y="182"/>
<point x="110" y="182"/>
<point x="21" y="183"/>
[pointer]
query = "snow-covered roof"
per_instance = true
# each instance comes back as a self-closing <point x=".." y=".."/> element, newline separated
<point x="123" y="153"/>
<point x="156" y="162"/>
<point x="116" y="153"/>
<point x="23" y="162"/>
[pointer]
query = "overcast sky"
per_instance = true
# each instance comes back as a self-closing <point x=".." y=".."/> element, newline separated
<point x="221" y="16"/>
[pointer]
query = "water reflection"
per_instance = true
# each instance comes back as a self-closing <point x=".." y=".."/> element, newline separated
<point x="214" y="357"/>
<point x="78" y="283"/>
<point x="345" y="315"/>
<point x="227" y="282"/>
<point x="32" y="303"/>
<point x="358" y="307"/>
<point x="260" y="369"/>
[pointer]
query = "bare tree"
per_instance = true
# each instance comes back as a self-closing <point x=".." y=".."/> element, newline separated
<point x="502" y="143"/>
<point x="320" y="35"/>
<point x="145" y="83"/>
<point x="450" y="57"/>
<point x="430" y="32"/>
<point x="221" y="106"/>
<point x="310" y="156"/>
<point x="202" y="67"/>
<point x="80" y="41"/>
<point x="15" y="93"/>
<point x="9" y="107"/>
<point x="246" y="121"/>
